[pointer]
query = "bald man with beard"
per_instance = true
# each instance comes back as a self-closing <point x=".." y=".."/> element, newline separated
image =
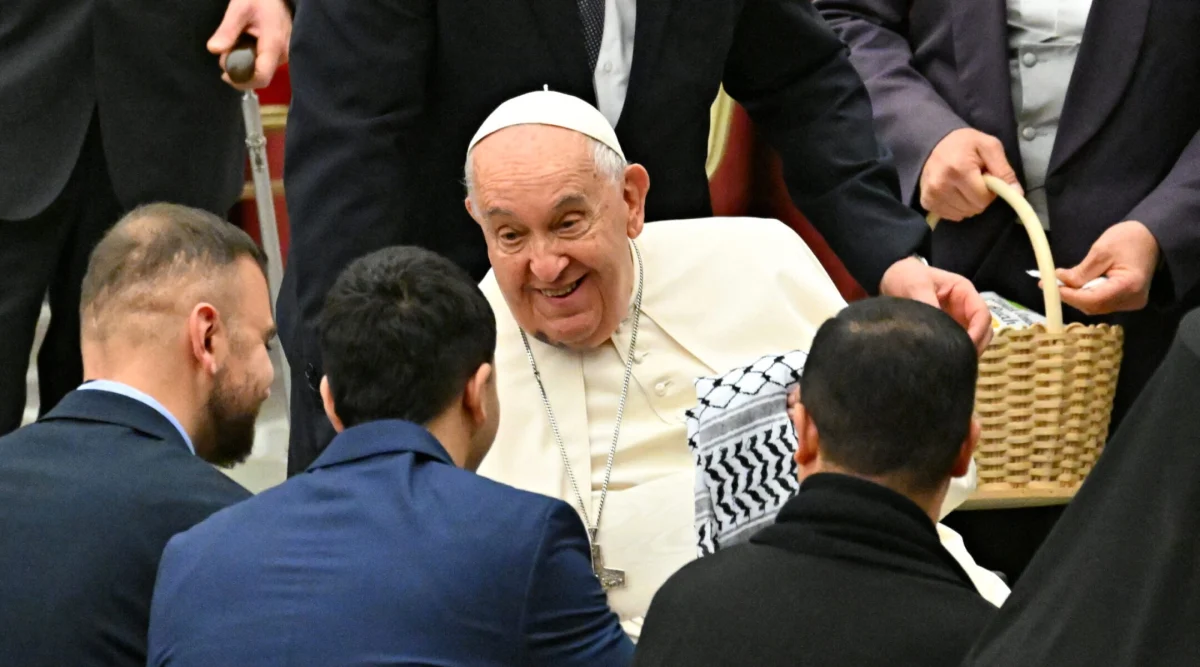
<point x="176" y="324"/>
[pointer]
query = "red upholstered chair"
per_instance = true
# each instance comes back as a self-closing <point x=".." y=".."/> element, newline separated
<point x="745" y="178"/>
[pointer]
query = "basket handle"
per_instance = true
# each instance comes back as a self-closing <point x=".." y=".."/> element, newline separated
<point x="1041" y="247"/>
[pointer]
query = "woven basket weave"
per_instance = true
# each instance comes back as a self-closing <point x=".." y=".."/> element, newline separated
<point x="1045" y="392"/>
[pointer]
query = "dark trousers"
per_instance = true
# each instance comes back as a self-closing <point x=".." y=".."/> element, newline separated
<point x="310" y="430"/>
<point x="46" y="256"/>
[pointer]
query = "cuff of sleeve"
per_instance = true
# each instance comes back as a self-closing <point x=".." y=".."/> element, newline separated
<point x="1176" y="275"/>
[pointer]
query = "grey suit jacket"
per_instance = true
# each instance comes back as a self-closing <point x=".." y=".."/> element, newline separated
<point x="1128" y="145"/>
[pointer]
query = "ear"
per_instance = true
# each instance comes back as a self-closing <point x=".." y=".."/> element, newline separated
<point x="205" y="333"/>
<point x="637" y="185"/>
<point x="808" y="441"/>
<point x="471" y="210"/>
<point x="475" y="395"/>
<point x="962" y="464"/>
<point x="330" y="408"/>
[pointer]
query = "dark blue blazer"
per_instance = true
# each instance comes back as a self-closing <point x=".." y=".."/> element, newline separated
<point x="384" y="553"/>
<point x="89" y="496"/>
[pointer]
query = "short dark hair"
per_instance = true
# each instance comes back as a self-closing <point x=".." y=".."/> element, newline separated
<point x="149" y="249"/>
<point x="402" y="331"/>
<point x="890" y="384"/>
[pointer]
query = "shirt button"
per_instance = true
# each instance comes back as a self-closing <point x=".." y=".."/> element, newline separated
<point x="662" y="387"/>
<point x="1029" y="59"/>
<point x="1029" y="133"/>
<point x="639" y="357"/>
<point x="607" y="67"/>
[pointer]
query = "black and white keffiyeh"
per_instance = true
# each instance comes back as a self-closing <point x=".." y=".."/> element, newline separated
<point x="743" y="442"/>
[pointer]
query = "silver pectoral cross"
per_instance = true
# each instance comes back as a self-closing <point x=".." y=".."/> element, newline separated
<point x="609" y="578"/>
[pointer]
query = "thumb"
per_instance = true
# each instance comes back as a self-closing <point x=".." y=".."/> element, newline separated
<point x="1096" y="264"/>
<point x="996" y="164"/>
<point x="235" y="21"/>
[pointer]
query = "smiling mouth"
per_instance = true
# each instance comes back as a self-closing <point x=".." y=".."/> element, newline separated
<point x="562" y="291"/>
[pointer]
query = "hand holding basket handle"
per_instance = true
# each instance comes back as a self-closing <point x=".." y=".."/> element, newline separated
<point x="1041" y="247"/>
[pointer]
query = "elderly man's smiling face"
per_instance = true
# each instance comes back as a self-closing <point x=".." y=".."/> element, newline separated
<point x="557" y="231"/>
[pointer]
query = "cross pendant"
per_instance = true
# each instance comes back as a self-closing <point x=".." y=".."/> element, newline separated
<point x="609" y="578"/>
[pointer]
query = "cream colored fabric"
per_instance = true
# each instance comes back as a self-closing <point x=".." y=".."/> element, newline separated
<point x="718" y="293"/>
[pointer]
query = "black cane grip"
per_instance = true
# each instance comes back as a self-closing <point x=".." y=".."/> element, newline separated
<point x="239" y="64"/>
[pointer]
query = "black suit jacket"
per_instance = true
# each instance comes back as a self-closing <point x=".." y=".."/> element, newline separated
<point x="386" y="97"/>
<point x="1128" y="145"/>
<point x="89" y="496"/>
<point x="850" y="574"/>
<point x="171" y="127"/>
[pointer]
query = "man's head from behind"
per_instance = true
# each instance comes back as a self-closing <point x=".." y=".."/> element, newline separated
<point x="175" y="303"/>
<point x="888" y="394"/>
<point x="406" y="334"/>
<point x="548" y="184"/>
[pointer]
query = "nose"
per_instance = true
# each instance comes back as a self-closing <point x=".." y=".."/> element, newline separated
<point x="547" y="264"/>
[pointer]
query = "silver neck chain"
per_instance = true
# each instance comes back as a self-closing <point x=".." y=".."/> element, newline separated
<point x="612" y="450"/>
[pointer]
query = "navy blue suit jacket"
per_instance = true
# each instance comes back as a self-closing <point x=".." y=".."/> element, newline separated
<point x="384" y="553"/>
<point x="89" y="496"/>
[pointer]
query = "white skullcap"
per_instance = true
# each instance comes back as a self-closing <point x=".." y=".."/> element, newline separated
<point x="546" y="107"/>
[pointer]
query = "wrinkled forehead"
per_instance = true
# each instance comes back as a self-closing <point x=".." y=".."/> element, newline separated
<point x="530" y="151"/>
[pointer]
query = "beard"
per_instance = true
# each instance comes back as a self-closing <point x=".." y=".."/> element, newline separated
<point x="232" y="410"/>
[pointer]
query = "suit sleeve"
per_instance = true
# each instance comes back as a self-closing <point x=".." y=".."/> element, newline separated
<point x="358" y="72"/>
<point x="567" y="618"/>
<point x="910" y="116"/>
<point x="791" y="74"/>
<point x="1172" y="213"/>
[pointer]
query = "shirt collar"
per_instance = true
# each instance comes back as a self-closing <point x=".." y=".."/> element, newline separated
<point x="123" y="389"/>
<point x="386" y="436"/>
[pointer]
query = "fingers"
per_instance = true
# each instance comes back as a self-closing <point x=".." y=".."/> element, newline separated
<point x="952" y="184"/>
<point x="235" y="21"/>
<point x="270" y="52"/>
<point x="991" y="153"/>
<point x="980" y="328"/>
<point x="959" y="299"/>
<point x="1106" y="298"/>
<point x="955" y="192"/>
<point x="974" y="191"/>
<point x="944" y="199"/>
<point x="267" y="20"/>
<point x="1097" y="263"/>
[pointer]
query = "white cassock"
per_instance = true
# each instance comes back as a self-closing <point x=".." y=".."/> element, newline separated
<point x="718" y="293"/>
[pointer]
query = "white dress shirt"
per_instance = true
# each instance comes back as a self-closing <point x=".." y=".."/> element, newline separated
<point x="611" y="77"/>
<point x="1043" y="39"/>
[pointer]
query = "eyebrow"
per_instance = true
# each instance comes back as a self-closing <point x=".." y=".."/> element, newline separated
<point x="270" y="334"/>
<point x="565" y="201"/>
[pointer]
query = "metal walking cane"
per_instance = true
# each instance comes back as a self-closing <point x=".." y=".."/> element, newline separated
<point x="239" y="64"/>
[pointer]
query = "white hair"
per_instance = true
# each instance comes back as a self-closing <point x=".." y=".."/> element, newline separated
<point x="608" y="163"/>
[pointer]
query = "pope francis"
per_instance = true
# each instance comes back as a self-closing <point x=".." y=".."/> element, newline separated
<point x="603" y="325"/>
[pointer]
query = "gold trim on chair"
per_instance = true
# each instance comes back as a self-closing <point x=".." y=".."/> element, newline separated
<point x="720" y="120"/>
<point x="274" y="117"/>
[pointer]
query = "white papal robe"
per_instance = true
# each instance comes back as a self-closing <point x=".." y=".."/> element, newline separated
<point x="718" y="293"/>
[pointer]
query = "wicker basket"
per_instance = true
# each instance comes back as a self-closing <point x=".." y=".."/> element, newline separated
<point x="1045" y="393"/>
